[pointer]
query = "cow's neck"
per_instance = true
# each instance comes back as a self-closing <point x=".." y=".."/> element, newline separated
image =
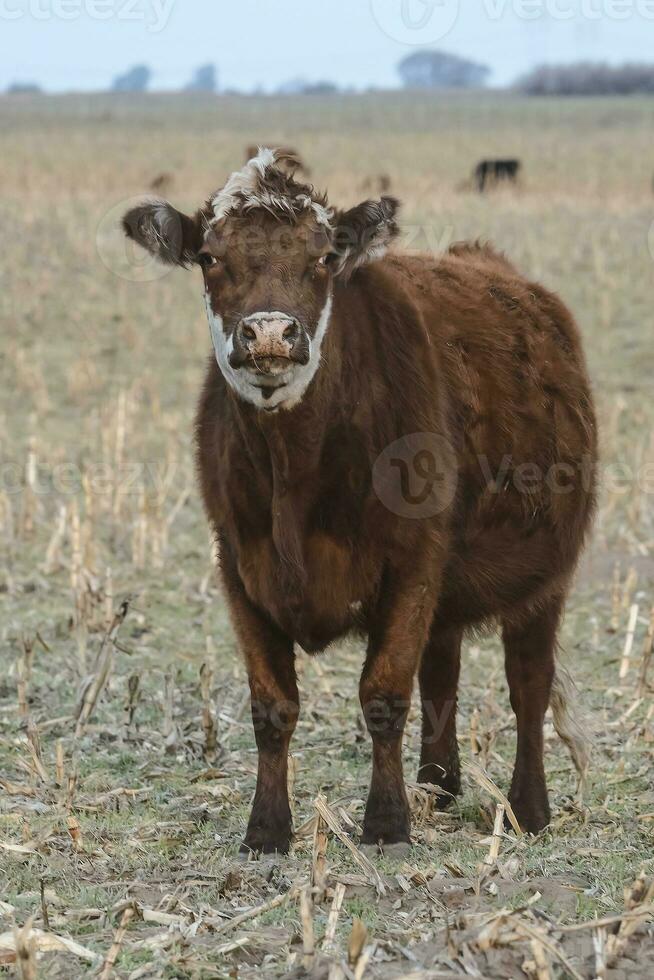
<point x="295" y="440"/>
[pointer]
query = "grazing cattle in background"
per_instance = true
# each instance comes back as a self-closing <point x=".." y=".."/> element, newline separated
<point x="399" y="444"/>
<point x="162" y="183"/>
<point x="378" y="184"/>
<point x="289" y="160"/>
<point x="490" y="173"/>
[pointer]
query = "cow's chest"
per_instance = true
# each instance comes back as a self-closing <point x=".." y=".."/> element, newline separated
<point x="316" y="603"/>
<point x="309" y="560"/>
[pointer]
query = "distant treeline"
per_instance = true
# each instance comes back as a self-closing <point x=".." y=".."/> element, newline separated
<point x="428" y="71"/>
<point x="588" y="78"/>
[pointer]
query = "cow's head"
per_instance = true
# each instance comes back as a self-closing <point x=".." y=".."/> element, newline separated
<point x="270" y="249"/>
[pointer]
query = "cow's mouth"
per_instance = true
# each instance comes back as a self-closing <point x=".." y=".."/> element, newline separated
<point x="267" y="370"/>
<point x="268" y="388"/>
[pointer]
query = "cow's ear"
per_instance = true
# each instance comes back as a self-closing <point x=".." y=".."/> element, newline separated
<point x="363" y="234"/>
<point x="166" y="233"/>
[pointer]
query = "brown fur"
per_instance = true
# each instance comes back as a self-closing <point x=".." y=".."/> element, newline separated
<point x="464" y="347"/>
<point x="488" y="367"/>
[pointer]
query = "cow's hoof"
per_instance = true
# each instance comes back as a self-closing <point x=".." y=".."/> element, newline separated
<point x="256" y="844"/>
<point x="532" y="814"/>
<point x="246" y="856"/>
<point x="397" y="852"/>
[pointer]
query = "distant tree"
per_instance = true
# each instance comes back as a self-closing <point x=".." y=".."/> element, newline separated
<point x="588" y="78"/>
<point x="204" y="79"/>
<point x="320" y="88"/>
<point x="437" y="69"/>
<point x="24" y="88"/>
<point x="136" y="79"/>
<point x="300" y="86"/>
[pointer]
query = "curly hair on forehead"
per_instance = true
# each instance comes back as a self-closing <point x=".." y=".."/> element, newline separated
<point x="267" y="181"/>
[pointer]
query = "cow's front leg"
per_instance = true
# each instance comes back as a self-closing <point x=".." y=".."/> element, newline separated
<point x="274" y="696"/>
<point x="396" y="640"/>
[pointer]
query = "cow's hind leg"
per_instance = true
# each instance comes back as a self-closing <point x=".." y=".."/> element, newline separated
<point x="529" y="647"/>
<point x="439" y="679"/>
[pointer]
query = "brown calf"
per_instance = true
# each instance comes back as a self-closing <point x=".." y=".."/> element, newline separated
<point x="399" y="444"/>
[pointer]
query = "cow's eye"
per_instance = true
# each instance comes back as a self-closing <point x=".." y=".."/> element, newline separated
<point x="321" y="262"/>
<point x="207" y="260"/>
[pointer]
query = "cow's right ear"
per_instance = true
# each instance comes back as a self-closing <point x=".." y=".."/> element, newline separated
<point x="169" y="235"/>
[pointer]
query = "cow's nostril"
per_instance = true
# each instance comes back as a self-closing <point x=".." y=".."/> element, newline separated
<point x="290" y="333"/>
<point x="248" y="332"/>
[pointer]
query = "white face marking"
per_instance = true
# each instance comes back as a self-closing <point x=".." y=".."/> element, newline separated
<point x="296" y="378"/>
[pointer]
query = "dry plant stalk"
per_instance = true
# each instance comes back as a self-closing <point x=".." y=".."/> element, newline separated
<point x="44" y="906"/>
<point x="599" y="951"/>
<point x="169" y="730"/>
<point x="475" y="742"/>
<point x="638" y="899"/>
<point x="46" y="942"/>
<point x="332" y="918"/>
<point x="482" y="778"/>
<point x="59" y="764"/>
<point x="53" y="558"/>
<point x="75" y="831"/>
<point x="308" y="938"/>
<point x="629" y="641"/>
<point x="80" y="619"/>
<point x="540" y="960"/>
<point x="34" y="744"/>
<point x="119" y="452"/>
<point x="629" y="588"/>
<point x="210" y="748"/>
<point x="26" y="951"/>
<point x="363" y="961"/>
<point x="319" y="858"/>
<point x="496" y="840"/>
<point x="29" y="492"/>
<point x="648" y="650"/>
<point x="258" y="910"/>
<point x="140" y="536"/>
<point x="28" y="643"/>
<point x="133" y="689"/>
<point x="112" y="955"/>
<point x="357" y="941"/>
<point x="616" y="598"/>
<point x="21" y="690"/>
<point x="332" y="821"/>
<point x="108" y="598"/>
<point x="103" y="670"/>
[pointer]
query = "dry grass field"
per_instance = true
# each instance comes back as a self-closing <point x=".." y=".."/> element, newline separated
<point x="127" y="759"/>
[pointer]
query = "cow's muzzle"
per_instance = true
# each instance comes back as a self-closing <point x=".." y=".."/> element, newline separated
<point x="269" y="343"/>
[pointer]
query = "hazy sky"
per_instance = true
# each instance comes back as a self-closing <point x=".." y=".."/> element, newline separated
<point x="82" y="44"/>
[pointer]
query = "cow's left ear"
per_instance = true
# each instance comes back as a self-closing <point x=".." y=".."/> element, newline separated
<point x="168" y="234"/>
<point x="363" y="234"/>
